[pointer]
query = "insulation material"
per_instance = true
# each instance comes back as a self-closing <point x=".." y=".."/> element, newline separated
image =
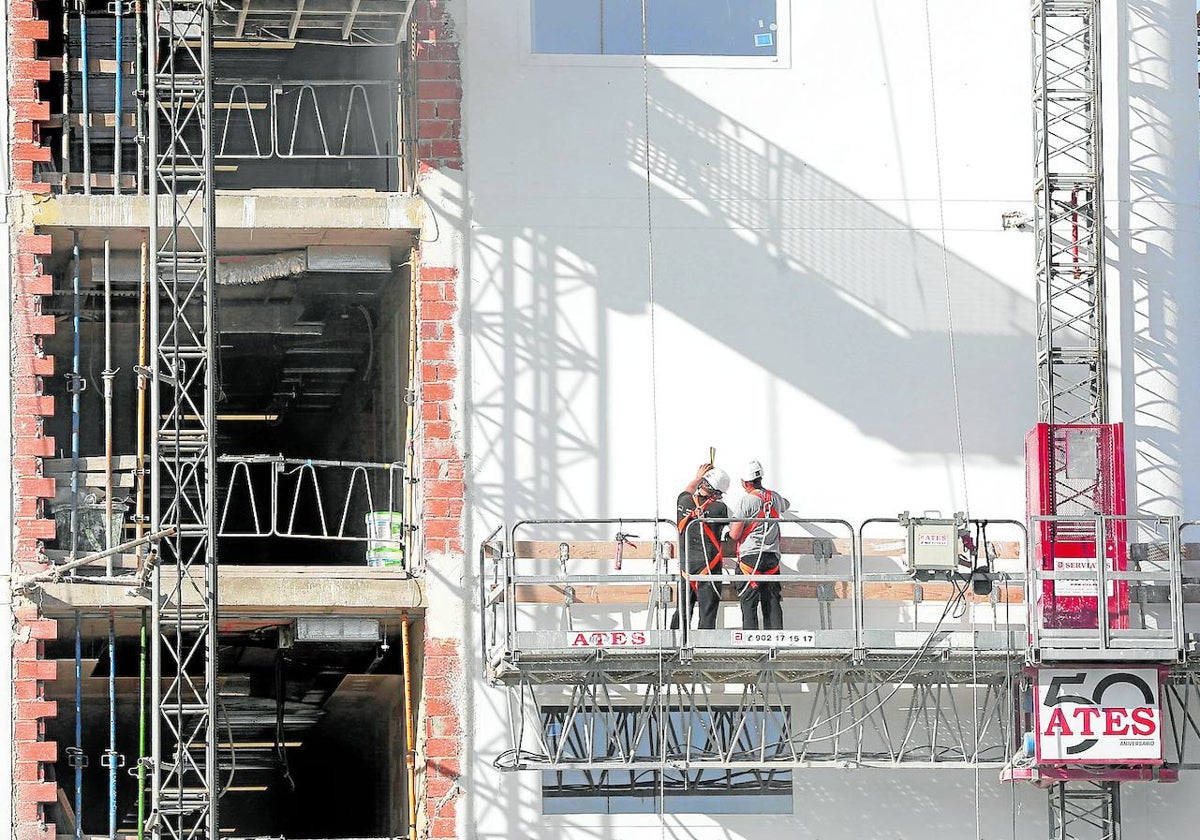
<point x="259" y="268"/>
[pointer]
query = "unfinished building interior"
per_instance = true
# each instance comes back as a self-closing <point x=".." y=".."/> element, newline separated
<point x="293" y="386"/>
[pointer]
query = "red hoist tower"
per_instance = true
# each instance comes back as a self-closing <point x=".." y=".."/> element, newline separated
<point x="1098" y="670"/>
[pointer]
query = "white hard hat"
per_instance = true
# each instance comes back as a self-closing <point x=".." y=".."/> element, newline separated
<point x="753" y="470"/>
<point x="717" y="479"/>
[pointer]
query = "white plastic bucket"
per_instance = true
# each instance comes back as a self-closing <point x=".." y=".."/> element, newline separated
<point x="385" y="538"/>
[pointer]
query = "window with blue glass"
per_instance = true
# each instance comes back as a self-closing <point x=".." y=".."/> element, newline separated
<point x="673" y="27"/>
<point x="751" y="735"/>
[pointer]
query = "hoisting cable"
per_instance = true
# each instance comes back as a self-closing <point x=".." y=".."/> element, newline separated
<point x="662" y="704"/>
<point x="280" y="710"/>
<point x="941" y="204"/>
<point x="958" y="426"/>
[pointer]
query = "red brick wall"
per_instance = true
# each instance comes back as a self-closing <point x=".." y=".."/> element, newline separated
<point x="443" y="737"/>
<point x="31" y="671"/>
<point x="30" y="751"/>
<point x="439" y="88"/>
<point x="439" y="443"/>
<point x="439" y="448"/>
<point x="24" y="32"/>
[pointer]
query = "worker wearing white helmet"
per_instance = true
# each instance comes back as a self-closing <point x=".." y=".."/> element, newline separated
<point x="758" y="549"/>
<point x="700" y="551"/>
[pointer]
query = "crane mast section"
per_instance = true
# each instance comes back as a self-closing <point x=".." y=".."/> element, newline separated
<point x="1069" y="213"/>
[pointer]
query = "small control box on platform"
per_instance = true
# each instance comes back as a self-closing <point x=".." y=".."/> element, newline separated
<point x="933" y="541"/>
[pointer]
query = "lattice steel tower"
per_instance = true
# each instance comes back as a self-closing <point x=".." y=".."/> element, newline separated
<point x="1069" y="227"/>
<point x="1069" y="214"/>
<point x="182" y="462"/>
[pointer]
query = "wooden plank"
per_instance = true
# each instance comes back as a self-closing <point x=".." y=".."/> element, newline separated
<point x="90" y="463"/>
<point x="643" y="550"/>
<point x="98" y="120"/>
<point x="639" y="594"/>
<point x="587" y="549"/>
<point x="95" y="65"/>
<point x="121" y="480"/>
<point x="99" y="180"/>
<point x="587" y="594"/>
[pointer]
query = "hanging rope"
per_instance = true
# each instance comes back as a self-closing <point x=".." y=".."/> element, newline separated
<point x="663" y="708"/>
<point x="941" y="204"/>
<point x="958" y="426"/>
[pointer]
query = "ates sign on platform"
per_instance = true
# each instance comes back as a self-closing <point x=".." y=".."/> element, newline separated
<point x="1098" y="716"/>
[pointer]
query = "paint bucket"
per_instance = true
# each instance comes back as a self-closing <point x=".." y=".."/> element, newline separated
<point x="89" y="525"/>
<point x="385" y="539"/>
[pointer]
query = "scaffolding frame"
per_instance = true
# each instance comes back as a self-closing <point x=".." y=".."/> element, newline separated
<point x="840" y="714"/>
<point x="1069" y="230"/>
<point x="183" y="408"/>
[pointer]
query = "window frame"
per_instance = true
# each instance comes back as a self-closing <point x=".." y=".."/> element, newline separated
<point x="782" y="59"/>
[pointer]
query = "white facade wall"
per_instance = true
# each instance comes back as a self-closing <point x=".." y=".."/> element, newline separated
<point x="797" y="309"/>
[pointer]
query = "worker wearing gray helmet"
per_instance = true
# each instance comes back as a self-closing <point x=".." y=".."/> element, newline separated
<point x="758" y="549"/>
<point x="700" y="550"/>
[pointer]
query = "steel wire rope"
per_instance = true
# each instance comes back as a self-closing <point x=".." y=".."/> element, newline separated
<point x="1010" y="681"/>
<point x="910" y="663"/>
<point x="663" y="709"/>
<point x="941" y="205"/>
<point x="958" y="426"/>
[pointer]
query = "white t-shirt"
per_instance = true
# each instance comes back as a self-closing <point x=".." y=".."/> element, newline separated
<point x="762" y="537"/>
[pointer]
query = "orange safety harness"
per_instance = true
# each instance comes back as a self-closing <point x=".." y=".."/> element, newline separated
<point x="696" y="513"/>
<point x="768" y="507"/>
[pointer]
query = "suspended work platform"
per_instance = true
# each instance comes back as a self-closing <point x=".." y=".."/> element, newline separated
<point x="881" y="663"/>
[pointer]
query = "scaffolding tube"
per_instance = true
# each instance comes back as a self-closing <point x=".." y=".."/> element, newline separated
<point x="87" y="112"/>
<point x="139" y="109"/>
<point x="107" y="376"/>
<point x="65" y="180"/>
<point x="141" y="767"/>
<point x="410" y="404"/>
<point x="77" y="759"/>
<point x="76" y="386"/>
<point x="141" y="371"/>
<point x="111" y="756"/>
<point x="56" y="574"/>
<point x="119" y="26"/>
<point x="410" y="755"/>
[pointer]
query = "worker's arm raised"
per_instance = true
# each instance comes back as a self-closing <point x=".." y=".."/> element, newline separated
<point x="695" y="482"/>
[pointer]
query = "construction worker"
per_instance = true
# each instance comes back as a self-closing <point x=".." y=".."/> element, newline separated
<point x="758" y="549"/>
<point x="700" y="544"/>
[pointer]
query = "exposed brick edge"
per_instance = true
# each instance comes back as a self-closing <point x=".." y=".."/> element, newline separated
<point x="30" y="751"/>
<point x="435" y="56"/>
<point x="27" y="110"/>
<point x="443" y="737"/>
<point x="439" y="88"/>
<point x="31" y="671"/>
<point x="439" y="452"/>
